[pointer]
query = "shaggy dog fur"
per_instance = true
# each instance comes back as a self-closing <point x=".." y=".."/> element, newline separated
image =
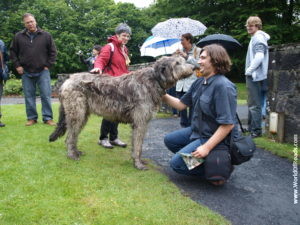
<point x="131" y="98"/>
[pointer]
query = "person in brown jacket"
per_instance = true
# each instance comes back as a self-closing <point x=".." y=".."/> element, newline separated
<point x="33" y="52"/>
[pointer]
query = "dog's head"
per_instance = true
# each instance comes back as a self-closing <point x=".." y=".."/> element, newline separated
<point x="168" y="70"/>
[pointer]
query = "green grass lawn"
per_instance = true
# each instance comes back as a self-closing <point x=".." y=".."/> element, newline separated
<point x="280" y="149"/>
<point x="39" y="185"/>
<point x="242" y="93"/>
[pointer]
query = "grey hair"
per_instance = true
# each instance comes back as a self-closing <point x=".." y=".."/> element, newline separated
<point x="27" y="15"/>
<point x="123" y="28"/>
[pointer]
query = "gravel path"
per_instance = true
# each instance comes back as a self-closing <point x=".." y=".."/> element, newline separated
<point x="259" y="192"/>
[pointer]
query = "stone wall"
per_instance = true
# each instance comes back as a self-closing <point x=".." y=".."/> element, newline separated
<point x="140" y="66"/>
<point x="284" y="86"/>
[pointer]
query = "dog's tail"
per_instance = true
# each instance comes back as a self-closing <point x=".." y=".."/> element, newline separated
<point x="61" y="127"/>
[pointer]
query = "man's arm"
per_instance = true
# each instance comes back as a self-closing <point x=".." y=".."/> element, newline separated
<point x="222" y="132"/>
<point x="174" y="102"/>
<point x="14" y="52"/>
<point x="51" y="53"/>
<point x="257" y="60"/>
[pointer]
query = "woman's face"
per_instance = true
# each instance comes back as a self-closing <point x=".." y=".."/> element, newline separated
<point x="124" y="38"/>
<point x="185" y="43"/>
<point x="95" y="52"/>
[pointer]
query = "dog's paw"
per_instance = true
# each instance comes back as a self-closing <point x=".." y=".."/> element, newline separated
<point x="80" y="153"/>
<point x="145" y="162"/>
<point x="73" y="156"/>
<point x="139" y="165"/>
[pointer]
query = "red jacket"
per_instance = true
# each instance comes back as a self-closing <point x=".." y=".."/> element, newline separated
<point x="118" y="63"/>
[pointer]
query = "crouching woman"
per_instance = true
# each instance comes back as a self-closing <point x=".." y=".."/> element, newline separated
<point x="213" y="98"/>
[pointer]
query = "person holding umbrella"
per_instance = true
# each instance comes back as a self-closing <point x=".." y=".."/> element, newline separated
<point x="256" y="69"/>
<point x="191" y="53"/>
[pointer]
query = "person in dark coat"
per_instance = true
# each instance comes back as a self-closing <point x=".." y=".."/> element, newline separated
<point x="3" y="59"/>
<point x="33" y="52"/>
<point x="91" y="60"/>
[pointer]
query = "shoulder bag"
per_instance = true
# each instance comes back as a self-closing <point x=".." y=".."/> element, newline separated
<point x="242" y="148"/>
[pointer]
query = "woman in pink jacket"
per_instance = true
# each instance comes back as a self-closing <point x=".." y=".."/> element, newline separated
<point x="113" y="60"/>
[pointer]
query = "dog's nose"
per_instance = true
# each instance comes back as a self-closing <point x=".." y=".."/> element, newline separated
<point x="193" y="67"/>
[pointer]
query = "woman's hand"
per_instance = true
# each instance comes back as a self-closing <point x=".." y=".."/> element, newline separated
<point x="96" y="70"/>
<point x="181" y="53"/>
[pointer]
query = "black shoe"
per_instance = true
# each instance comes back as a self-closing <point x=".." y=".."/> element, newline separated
<point x="2" y="124"/>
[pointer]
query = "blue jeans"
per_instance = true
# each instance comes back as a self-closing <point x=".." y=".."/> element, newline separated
<point x="1" y="92"/>
<point x="185" y="115"/>
<point x="179" y="141"/>
<point x="255" y="105"/>
<point x="264" y="93"/>
<point x="30" y="81"/>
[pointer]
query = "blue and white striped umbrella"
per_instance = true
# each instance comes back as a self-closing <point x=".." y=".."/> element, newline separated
<point x="157" y="46"/>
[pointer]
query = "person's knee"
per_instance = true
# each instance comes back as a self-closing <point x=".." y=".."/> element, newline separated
<point x="168" y="140"/>
<point x="218" y="167"/>
<point x="176" y="166"/>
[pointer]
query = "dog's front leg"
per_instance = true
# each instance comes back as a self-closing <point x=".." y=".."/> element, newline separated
<point x="138" y="134"/>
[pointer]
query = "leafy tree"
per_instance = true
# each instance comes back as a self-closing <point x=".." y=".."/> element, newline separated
<point x="79" y="24"/>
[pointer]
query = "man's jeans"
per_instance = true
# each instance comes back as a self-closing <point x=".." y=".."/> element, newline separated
<point x="1" y="92"/>
<point x="254" y="105"/>
<point x="43" y="81"/>
<point x="179" y="141"/>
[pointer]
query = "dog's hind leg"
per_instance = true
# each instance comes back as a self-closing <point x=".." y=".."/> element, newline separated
<point x="138" y="134"/>
<point x="76" y="118"/>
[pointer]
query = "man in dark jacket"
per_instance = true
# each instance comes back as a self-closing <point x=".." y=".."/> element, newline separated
<point x="33" y="52"/>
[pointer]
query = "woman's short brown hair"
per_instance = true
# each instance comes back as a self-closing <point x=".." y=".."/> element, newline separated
<point x="189" y="37"/>
<point x="219" y="58"/>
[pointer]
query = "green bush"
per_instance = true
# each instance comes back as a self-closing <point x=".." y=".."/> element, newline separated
<point x="13" y="87"/>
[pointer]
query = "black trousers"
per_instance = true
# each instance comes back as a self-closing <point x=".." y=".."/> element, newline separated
<point x="108" y="128"/>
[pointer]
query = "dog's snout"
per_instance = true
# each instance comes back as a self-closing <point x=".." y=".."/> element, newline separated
<point x="193" y="67"/>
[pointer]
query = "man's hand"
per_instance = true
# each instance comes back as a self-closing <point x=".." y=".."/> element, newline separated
<point x="20" y="70"/>
<point x="96" y="70"/>
<point x="201" y="152"/>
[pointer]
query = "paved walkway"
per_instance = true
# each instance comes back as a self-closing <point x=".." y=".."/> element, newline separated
<point x="259" y="192"/>
<point x="20" y="100"/>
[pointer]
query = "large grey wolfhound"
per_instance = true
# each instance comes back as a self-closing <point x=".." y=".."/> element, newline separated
<point x="132" y="98"/>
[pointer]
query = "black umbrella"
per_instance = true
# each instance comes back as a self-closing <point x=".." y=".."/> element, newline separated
<point x="228" y="42"/>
